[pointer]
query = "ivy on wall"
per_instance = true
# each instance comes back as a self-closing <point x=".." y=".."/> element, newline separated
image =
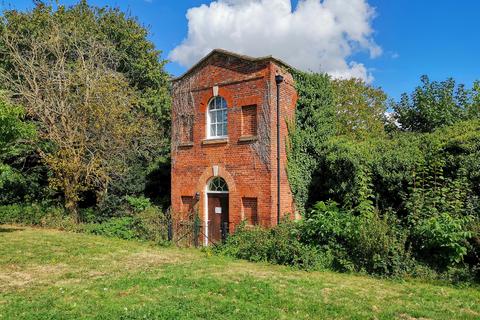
<point x="314" y="124"/>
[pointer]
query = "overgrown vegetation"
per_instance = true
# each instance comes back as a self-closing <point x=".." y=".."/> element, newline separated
<point x="388" y="193"/>
<point x="391" y="194"/>
<point x="140" y="220"/>
<point x="387" y="188"/>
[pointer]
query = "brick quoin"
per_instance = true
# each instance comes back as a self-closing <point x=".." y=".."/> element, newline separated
<point x="247" y="158"/>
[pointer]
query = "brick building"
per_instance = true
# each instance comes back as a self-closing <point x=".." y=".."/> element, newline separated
<point x="224" y="142"/>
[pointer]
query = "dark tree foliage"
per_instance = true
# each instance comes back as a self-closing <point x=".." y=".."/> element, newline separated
<point x="22" y="176"/>
<point x="350" y="110"/>
<point x="130" y="53"/>
<point x="314" y="124"/>
<point x="400" y="195"/>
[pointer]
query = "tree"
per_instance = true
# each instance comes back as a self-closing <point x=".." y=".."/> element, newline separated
<point x="13" y="128"/>
<point x="73" y="71"/>
<point x="360" y="108"/>
<point x="433" y="105"/>
<point x="138" y="61"/>
<point x="474" y="111"/>
<point x="16" y="137"/>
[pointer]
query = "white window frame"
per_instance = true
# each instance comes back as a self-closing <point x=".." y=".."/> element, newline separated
<point x="211" y="181"/>
<point x="209" y="120"/>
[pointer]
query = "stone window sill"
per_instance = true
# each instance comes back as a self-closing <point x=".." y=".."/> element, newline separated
<point x="247" y="139"/>
<point x="215" y="141"/>
<point x="185" y="145"/>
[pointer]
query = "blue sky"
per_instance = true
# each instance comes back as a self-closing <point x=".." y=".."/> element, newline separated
<point x="437" y="38"/>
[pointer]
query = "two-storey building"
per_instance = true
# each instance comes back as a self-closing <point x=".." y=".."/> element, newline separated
<point x="224" y="142"/>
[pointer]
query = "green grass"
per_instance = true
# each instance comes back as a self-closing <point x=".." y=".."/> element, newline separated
<point x="46" y="274"/>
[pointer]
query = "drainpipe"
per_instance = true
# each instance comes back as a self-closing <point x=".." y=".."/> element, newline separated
<point x="278" y="81"/>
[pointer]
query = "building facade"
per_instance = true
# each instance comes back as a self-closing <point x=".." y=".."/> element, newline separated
<point x="224" y="142"/>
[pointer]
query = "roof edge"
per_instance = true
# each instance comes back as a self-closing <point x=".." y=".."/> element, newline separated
<point x="232" y="54"/>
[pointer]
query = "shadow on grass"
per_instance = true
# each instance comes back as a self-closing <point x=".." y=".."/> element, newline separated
<point x="10" y="229"/>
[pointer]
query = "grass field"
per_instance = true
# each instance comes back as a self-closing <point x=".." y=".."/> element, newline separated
<point x="46" y="274"/>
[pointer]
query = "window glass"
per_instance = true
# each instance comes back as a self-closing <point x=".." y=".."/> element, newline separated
<point x="217" y="118"/>
<point x="217" y="184"/>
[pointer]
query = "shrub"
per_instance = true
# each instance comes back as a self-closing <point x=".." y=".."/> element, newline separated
<point x="138" y="204"/>
<point x="286" y="249"/>
<point x="461" y="275"/>
<point x="42" y="215"/>
<point x="445" y="237"/>
<point x="123" y="228"/>
<point x="279" y="245"/>
<point x="21" y="214"/>
<point x="362" y="243"/>
<point x="326" y="223"/>
<point x="248" y="243"/>
<point x="150" y="224"/>
<point x="89" y="215"/>
<point x="473" y="257"/>
<point x="442" y="211"/>
<point x="377" y="245"/>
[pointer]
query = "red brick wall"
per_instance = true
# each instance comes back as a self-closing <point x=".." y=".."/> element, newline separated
<point x="249" y="120"/>
<point x="248" y="174"/>
<point x="288" y="100"/>
<point x="250" y="211"/>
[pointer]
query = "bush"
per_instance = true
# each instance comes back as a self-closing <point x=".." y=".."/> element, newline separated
<point x="21" y="214"/>
<point x="248" y="243"/>
<point x="42" y="215"/>
<point x="138" y="204"/>
<point x="150" y="224"/>
<point x="286" y="249"/>
<point x="123" y="228"/>
<point x="444" y="237"/>
<point x="328" y="238"/>
<point x="362" y="243"/>
<point x="279" y="245"/>
<point x="378" y="245"/>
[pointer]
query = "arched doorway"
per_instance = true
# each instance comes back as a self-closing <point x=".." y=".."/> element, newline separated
<point x="217" y="210"/>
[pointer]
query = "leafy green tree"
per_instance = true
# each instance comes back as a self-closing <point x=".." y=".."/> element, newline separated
<point x="16" y="137"/>
<point x="474" y="111"/>
<point x="432" y="105"/>
<point x="360" y="109"/>
<point x="13" y="127"/>
<point x="137" y="58"/>
<point x="97" y="89"/>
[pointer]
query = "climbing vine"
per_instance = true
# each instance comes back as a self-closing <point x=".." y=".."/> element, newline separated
<point x="262" y="146"/>
<point x="183" y="107"/>
<point x="314" y="123"/>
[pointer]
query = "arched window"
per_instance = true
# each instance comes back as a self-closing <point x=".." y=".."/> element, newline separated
<point x="217" y="118"/>
<point x="217" y="185"/>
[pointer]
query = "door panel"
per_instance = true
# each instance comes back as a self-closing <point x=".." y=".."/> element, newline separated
<point x="217" y="216"/>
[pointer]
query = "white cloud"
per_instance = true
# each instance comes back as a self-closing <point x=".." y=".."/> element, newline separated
<point x="316" y="36"/>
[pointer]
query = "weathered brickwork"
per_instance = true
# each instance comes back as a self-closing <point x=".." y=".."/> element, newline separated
<point x="246" y="159"/>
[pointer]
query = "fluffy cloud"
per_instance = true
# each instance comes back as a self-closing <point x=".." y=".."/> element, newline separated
<point x="315" y="36"/>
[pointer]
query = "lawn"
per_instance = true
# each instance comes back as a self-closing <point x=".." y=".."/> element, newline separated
<point x="47" y="274"/>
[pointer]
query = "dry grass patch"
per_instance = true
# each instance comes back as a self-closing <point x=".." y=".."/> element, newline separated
<point x="13" y="279"/>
